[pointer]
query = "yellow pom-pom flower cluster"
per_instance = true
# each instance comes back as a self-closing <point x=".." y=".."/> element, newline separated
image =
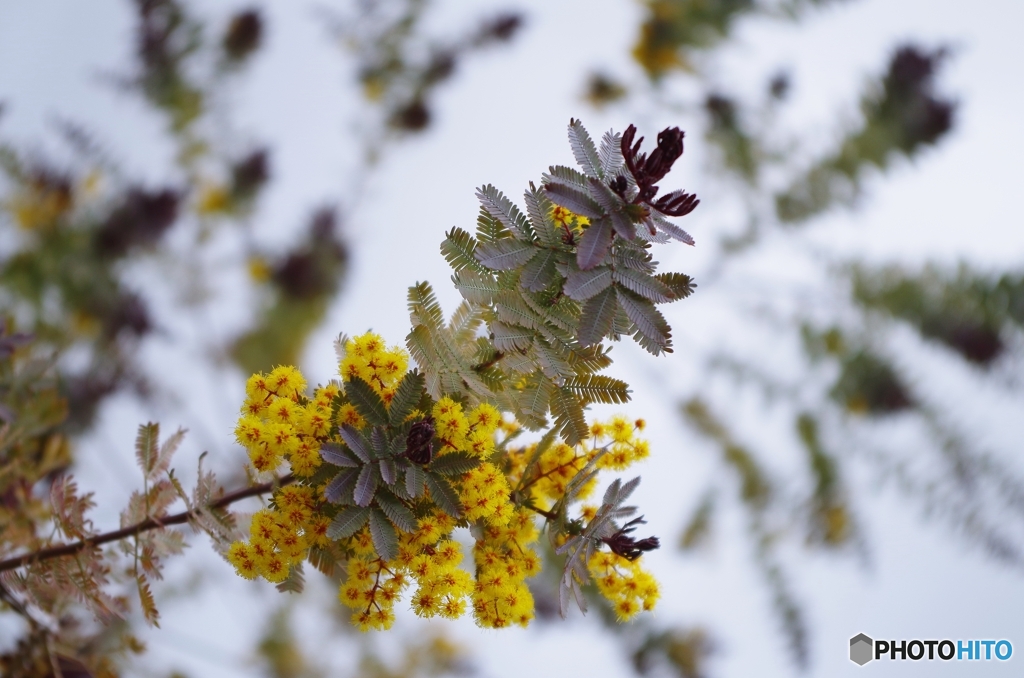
<point x="570" y="221"/>
<point x="504" y="560"/>
<point x="278" y="422"/>
<point x="624" y="583"/>
<point x="620" y="435"/>
<point x="380" y="366"/>
<point x="280" y="537"/>
<point x="427" y="557"/>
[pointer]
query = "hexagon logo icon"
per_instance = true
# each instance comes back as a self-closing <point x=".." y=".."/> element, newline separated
<point x="861" y="649"/>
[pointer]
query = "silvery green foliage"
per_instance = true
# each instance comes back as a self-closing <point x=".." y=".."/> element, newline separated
<point x="540" y="300"/>
<point x="579" y="549"/>
<point x="377" y="479"/>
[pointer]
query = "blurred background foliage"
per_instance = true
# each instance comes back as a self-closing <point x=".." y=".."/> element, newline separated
<point x="73" y="236"/>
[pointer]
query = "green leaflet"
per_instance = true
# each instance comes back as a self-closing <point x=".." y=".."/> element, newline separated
<point x="396" y="511"/>
<point x="597" y="388"/>
<point x="582" y="285"/>
<point x="407" y="396"/>
<point x="366" y="485"/>
<point x="443" y="495"/>
<point x="594" y="245"/>
<point x="538" y="207"/>
<point x="540" y="271"/>
<point x="348" y="522"/>
<point x="476" y="288"/>
<point x="505" y="255"/>
<point x="569" y="419"/>
<point x="366" y="401"/>
<point x="511" y="337"/>
<point x="453" y="464"/>
<point x="653" y="332"/>
<point x="459" y="250"/>
<point x="647" y="287"/>
<point x="502" y="209"/>
<point x="385" y="539"/>
<point x="597" y="317"/>
<point x="584" y="151"/>
<point x="681" y="284"/>
<point x="574" y="200"/>
<point x="489" y="229"/>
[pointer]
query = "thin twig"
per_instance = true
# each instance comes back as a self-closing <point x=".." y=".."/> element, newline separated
<point x="137" y="528"/>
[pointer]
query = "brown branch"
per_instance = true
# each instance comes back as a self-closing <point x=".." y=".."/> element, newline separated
<point x="137" y="528"/>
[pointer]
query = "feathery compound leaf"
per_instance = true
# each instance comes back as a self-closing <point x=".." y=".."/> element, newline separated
<point x="334" y="454"/>
<point x="582" y="285"/>
<point x="366" y="485"/>
<point x="551" y="363"/>
<point x="566" y="176"/>
<point x="476" y="288"/>
<point x="414" y="479"/>
<point x="146" y="442"/>
<point x="539" y="272"/>
<point x="512" y="309"/>
<point x="538" y="207"/>
<point x="681" y="284"/>
<point x="653" y="332"/>
<point x="407" y="396"/>
<point x="356" y="442"/>
<point x="671" y="229"/>
<point x="596" y="388"/>
<point x="568" y="412"/>
<point x="644" y="285"/>
<point x="489" y="229"/>
<point x="613" y="206"/>
<point x="167" y="450"/>
<point x="505" y="255"/>
<point x="339" y="490"/>
<point x="502" y="209"/>
<point x="535" y="398"/>
<point x="367" y="402"/>
<point x="574" y="200"/>
<point x="295" y="582"/>
<point x="611" y="154"/>
<point x="388" y="471"/>
<point x="454" y="464"/>
<point x="146" y="601"/>
<point x="396" y="511"/>
<point x="593" y="247"/>
<point x="424" y="308"/>
<point x="385" y="539"/>
<point x="459" y="250"/>
<point x="583" y="150"/>
<point x="511" y="337"/>
<point x="465" y="321"/>
<point x="443" y="495"/>
<point x="597" y="317"/>
<point x="348" y="522"/>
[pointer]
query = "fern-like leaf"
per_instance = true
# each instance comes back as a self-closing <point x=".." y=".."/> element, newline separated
<point x="502" y="209"/>
<point x="505" y="255"/>
<point x="593" y="247"/>
<point x="396" y="511"/>
<point x="574" y="200"/>
<point x="597" y="317"/>
<point x="146" y="447"/>
<point x="584" y="151"/>
<point x="366" y="401"/>
<point x="653" y="332"/>
<point x="596" y="388"/>
<point x="582" y="285"/>
<point x="646" y="286"/>
<point x="459" y="250"/>
<point x="348" y="522"/>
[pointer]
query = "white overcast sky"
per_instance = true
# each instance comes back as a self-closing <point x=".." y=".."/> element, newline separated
<point x="502" y="121"/>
